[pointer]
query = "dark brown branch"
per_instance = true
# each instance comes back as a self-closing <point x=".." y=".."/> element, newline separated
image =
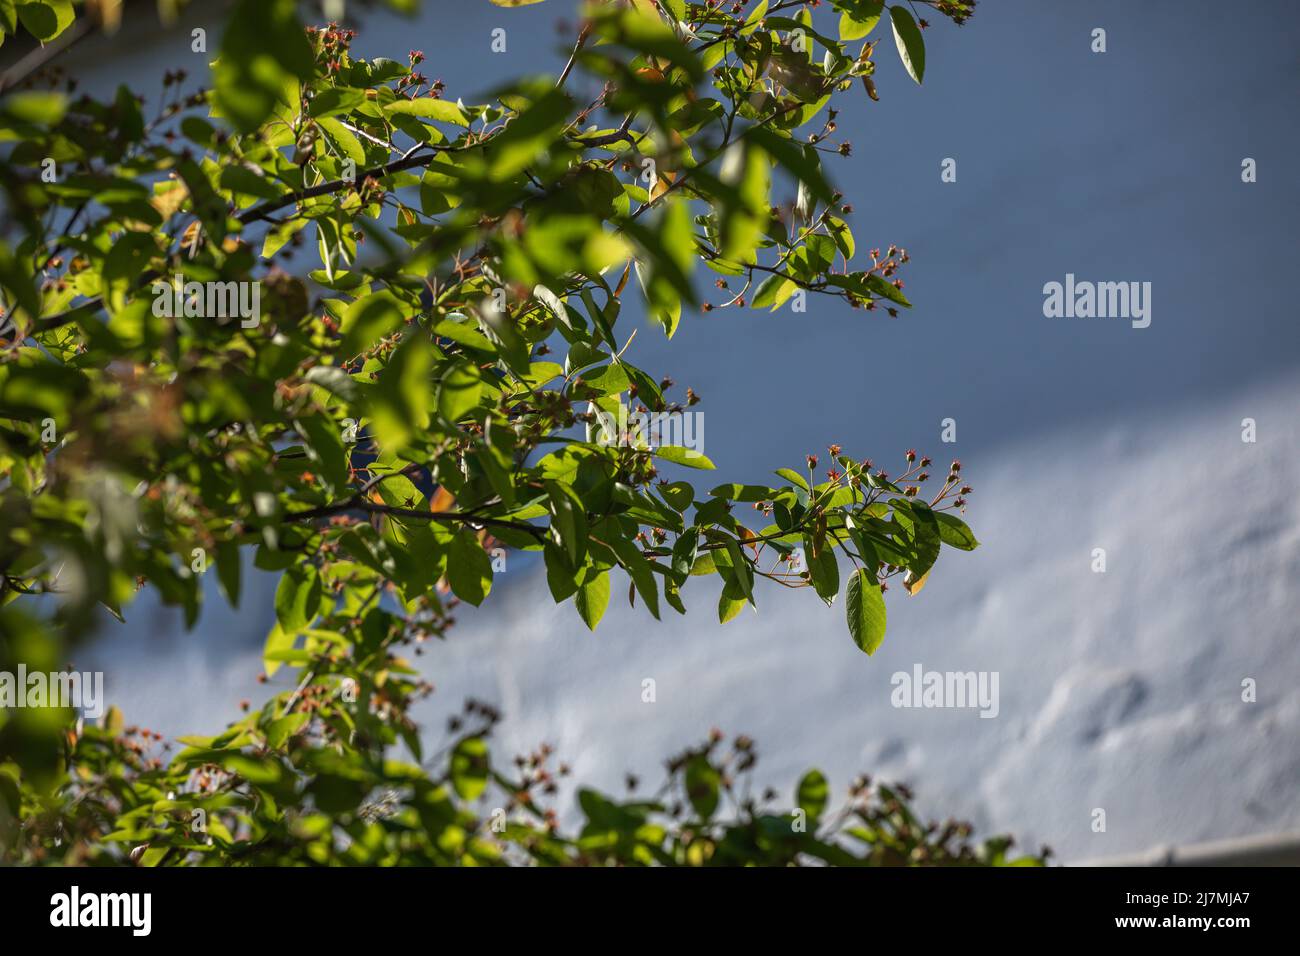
<point x="604" y="139"/>
<point x="263" y="211"/>
<point x="573" y="57"/>
<point x="44" y="53"/>
<point x="372" y="507"/>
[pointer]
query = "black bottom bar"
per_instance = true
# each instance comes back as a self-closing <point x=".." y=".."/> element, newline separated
<point x="933" y="905"/>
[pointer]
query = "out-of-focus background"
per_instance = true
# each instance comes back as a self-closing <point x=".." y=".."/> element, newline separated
<point x="1120" y="691"/>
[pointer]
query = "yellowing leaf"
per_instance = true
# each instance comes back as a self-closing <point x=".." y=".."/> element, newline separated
<point x="913" y="583"/>
<point x="662" y="184"/>
<point x="169" y="202"/>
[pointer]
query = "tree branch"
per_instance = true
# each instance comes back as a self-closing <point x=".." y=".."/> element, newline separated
<point x="44" y="53"/>
<point x="263" y="211"/>
<point x="573" y="57"/>
<point x="356" y="503"/>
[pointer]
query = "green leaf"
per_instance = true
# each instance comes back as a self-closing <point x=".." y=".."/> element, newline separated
<point x="568" y="521"/>
<point x="427" y="107"/>
<point x="459" y="391"/>
<point x="464" y="335"/>
<point x="369" y="319"/>
<point x="469" y="569"/>
<point x="335" y="381"/>
<point x="673" y="596"/>
<point x="773" y="291"/>
<point x="684" y="456"/>
<point x="670" y="255"/>
<point x="685" y="551"/>
<point x="326" y="451"/>
<point x="344" y="139"/>
<point x="923" y="528"/>
<point x="280" y="730"/>
<point x="792" y="476"/>
<point x="745" y="493"/>
<point x="44" y="108"/>
<point x="469" y="768"/>
<point x="864" y="606"/>
<point x="228" y="571"/>
<point x="730" y="602"/>
<point x="858" y="17"/>
<point x="955" y="532"/>
<point x="336" y="100"/>
<point x="703" y="786"/>
<point x="278" y="642"/>
<point x="640" y="28"/>
<point x="399" y="401"/>
<point x="560" y="576"/>
<point x="813" y="793"/>
<point x="679" y="495"/>
<point x="745" y="209"/>
<point x="802" y="163"/>
<point x="46" y="19"/>
<point x="243" y="181"/>
<point x="741" y="571"/>
<point x="887" y="289"/>
<point x="337" y="794"/>
<point x="527" y="136"/>
<point x="593" y="598"/>
<point x="907" y="37"/>
<point x="297" y="598"/>
<point x="638" y="569"/>
<point x="264" y="55"/>
<point x="824" y="570"/>
<point x="841" y="235"/>
<point x="16" y="278"/>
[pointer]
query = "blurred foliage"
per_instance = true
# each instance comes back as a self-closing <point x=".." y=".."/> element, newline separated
<point x="302" y="782"/>
<point x="375" y="425"/>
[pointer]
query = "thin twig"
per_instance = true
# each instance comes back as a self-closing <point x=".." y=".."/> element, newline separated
<point x="573" y="57"/>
